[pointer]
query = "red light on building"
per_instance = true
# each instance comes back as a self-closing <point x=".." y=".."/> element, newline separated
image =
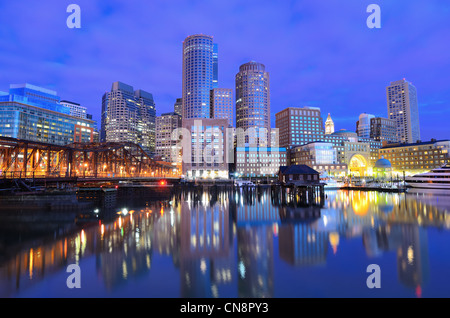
<point x="162" y="182"/>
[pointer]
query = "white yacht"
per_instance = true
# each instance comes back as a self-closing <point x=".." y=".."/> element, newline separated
<point x="330" y="183"/>
<point x="242" y="183"/>
<point x="438" y="178"/>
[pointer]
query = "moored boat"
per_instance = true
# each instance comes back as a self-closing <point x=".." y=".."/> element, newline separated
<point x="438" y="178"/>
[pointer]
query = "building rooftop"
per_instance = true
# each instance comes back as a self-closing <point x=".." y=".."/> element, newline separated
<point x="383" y="163"/>
<point x="413" y="144"/>
<point x="67" y="101"/>
<point x="33" y="87"/>
<point x="344" y="131"/>
<point x="297" y="169"/>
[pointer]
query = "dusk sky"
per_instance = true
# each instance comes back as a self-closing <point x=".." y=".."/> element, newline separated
<point x="318" y="53"/>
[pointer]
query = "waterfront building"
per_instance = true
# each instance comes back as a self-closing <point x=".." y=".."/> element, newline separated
<point x="299" y="125"/>
<point x="129" y="116"/>
<point x="329" y="125"/>
<point x="259" y="162"/>
<point x="253" y="105"/>
<point x="198" y="75"/>
<point x="222" y="105"/>
<point x="357" y="157"/>
<point x="34" y="113"/>
<point x="299" y="174"/>
<point x="383" y="129"/>
<point x="374" y="146"/>
<point x="166" y="144"/>
<point x="205" y="152"/>
<point x="363" y="125"/>
<point x="416" y="158"/>
<point x="359" y="154"/>
<point x="178" y="107"/>
<point x="319" y="155"/>
<point x="403" y="108"/>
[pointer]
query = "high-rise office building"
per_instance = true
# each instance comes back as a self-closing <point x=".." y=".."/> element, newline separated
<point x="383" y="129"/>
<point x="253" y="105"/>
<point x="222" y="104"/>
<point x="129" y="116"/>
<point x="298" y="126"/>
<point x="198" y="75"/>
<point x="215" y="65"/>
<point x="178" y="106"/>
<point x="403" y="109"/>
<point x="166" y="145"/>
<point x="104" y="114"/>
<point x="363" y="125"/>
<point x="76" y="109"/>
<point x="34" y="113"/>
<point x="329" y="125"/>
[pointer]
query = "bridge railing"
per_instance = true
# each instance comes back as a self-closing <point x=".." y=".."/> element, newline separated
<point x="85" y="174"/>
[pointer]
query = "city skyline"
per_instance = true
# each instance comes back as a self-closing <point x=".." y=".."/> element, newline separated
<point x="355" y="62"/>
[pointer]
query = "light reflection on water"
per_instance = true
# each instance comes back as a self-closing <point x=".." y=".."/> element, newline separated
<point x="238" y="244"/>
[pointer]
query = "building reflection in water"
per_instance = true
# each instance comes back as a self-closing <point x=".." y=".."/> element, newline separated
<point x="206" y="237"/>
<point x="220" y="239"/>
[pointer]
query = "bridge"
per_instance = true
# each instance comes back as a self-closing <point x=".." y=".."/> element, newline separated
<point x="25" y="159"/>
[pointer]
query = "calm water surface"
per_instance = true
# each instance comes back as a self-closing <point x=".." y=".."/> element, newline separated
<point x="239" y="244"/>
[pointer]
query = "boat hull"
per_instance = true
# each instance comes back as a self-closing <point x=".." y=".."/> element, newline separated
<point x="442" y="186"/>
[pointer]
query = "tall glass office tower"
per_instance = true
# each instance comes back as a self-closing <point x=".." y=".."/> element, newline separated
<point x="178" y="107"/>
<point x="363" y="125"/>
<point x="222" y="104"/>
<point x="253" y="103"/>
<point x="215" y="66"/>
<point x="129" y="115"/>
<point x="198" y="75"/>
<point x="403" y="109"/>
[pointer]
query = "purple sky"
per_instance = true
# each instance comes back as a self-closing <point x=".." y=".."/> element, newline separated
<point x="318" y="53"/>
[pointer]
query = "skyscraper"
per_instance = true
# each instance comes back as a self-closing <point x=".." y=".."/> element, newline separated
<point x="198" y="75"/>
<point x="403" y="109"/>
<point x="363" y="125"/>
<point x="76" y="109"/>
<point x="178" y="106"/>
<point x="104" y="114"/>
<point x="383" y="129"/>
<point x="329" y="125"/>
<point x="129" y="116"/>
<point x="166" y="146"/>
<point x="222" y="104"/>
<point x="253" y="104"/>
<point x="215" y="65"/>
